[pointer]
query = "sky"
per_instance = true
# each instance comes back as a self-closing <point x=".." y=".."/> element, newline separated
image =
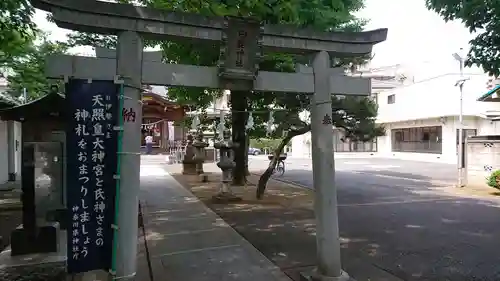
<point x="415" y="35"/>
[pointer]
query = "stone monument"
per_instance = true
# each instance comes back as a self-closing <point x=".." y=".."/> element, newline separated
<point x="199" y="155"/>
<point x="189" y="163"/>
<point x="226" y="164"/>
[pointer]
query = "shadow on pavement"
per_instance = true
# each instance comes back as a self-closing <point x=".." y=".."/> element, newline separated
<point x="405" y="228"/>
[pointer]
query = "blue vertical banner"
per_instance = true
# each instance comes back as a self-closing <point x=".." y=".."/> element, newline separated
<point x="91" y="145"/>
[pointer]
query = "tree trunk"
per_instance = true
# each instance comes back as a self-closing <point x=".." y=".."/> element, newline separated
<point x="238" y="120"/>
<point x="247" y="146"/>
<point x="264" y="178"/>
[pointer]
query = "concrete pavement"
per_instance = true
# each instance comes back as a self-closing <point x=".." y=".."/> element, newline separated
<point x="10" y="211"/>
<point x="187" y="241"/>
<point x="444" y="174"/>
<point x="397" y="215"/>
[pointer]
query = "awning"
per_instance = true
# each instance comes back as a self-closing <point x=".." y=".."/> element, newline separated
<point x="492" y="95"/>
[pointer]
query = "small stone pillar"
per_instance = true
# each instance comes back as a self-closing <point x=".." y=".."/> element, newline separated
<point x="188" y="163"/>
<point x="226" y="164"/>
<point x="199" y="155"/>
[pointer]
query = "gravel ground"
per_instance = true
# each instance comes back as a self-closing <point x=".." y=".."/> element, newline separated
<point x="9" y="220"/>
<point x="46" y="272"/>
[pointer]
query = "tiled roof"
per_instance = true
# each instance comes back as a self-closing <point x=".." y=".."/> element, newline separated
<point x="7" y="100"/>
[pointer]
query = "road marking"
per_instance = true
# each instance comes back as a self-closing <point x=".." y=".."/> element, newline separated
<point x="442" y="183"/>
<point x="397" y="202"/>
<point x="383" y="166"/>
<point x="439" y="183"/>
<point x="356" y="163"/>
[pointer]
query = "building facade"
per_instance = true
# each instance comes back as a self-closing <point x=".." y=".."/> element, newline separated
<point x="10" y="139"/>
<point x="382" y="79"/>
<point x="422" y="117"/>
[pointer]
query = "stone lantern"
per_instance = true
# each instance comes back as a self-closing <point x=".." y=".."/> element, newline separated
<point x="199" y="154"/>
<point x="226" y="164"/>
<point x="188" y="163"/>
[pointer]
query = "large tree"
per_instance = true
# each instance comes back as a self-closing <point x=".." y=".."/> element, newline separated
<point x="16" y="28"/>
<point x="481" y="17"/>
<point x="27" y="71"/>
<point x="320" y="14"/>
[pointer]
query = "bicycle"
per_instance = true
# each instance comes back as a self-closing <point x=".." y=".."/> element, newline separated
<point x="280" y="166"/>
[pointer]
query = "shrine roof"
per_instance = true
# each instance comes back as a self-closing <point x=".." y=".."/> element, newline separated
<point x="51" y="105"/>
<point x="7" y="101"/>
<point x="150" y="96"/>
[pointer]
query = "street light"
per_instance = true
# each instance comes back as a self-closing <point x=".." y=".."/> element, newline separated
<point x="460" y="83"/>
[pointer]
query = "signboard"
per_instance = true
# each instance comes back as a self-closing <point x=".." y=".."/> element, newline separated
<point x="242" y="44"/>
<point x="91" y="144"/>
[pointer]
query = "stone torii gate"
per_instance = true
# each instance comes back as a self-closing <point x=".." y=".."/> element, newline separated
<point x="242" y="42"/>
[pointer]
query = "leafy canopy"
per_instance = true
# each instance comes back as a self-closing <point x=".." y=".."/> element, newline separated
<point x="27" y="70"/>
<point x="16" y="28"/>
<point x="481" y="17"/>
<point x="356" y="115"/>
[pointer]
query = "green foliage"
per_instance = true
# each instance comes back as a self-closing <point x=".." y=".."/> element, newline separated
<point x="265" y="143"/>
<point x="494" y="179"/>
<point x="354" y="115"/>
<point x="16" y="28"/>
<point x="482" y="17"/>
<point x="28" y="69"/>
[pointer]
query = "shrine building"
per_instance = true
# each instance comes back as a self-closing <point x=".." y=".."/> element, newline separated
<point x="158" y="117"/>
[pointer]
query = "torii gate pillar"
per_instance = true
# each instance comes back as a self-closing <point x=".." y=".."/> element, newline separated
<point x="129" y="69"/>
<point x="325" y="201"/>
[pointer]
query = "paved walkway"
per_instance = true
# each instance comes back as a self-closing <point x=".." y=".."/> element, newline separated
<point x="187" y="241"/>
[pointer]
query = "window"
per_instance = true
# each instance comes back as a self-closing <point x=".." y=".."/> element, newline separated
<point x="391" y="99"/>
<point x="419" y="139"/>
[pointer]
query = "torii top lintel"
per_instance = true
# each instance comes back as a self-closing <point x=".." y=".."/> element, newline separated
<point x="112" y="18"/>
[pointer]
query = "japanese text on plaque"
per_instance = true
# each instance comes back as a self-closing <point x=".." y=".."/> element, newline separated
<point x="92" y="150"/>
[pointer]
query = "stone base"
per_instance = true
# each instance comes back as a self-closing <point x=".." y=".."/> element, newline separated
<point x="225" y="197"/>
<point x="189" y="168"/>
<point x="59" y="215"/>
<point x="46" y="240"/>
<point x="203" y="178"/>
<point x="35" y="267"/>
<point x="313" y="275"/>
<point x="12" y="176"/>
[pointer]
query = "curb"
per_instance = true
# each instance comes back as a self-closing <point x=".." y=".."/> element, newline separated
<point x="291" y="183"/>
<point x="11" y="207"/>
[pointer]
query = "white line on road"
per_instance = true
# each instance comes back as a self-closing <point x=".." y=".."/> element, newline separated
<point x="437" y="182"/>
<point x="396" y="202"/>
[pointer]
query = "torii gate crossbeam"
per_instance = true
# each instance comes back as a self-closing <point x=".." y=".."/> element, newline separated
<point x="242" y="42"/>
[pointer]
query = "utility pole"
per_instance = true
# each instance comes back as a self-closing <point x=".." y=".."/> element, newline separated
<point x="460" y="83"/>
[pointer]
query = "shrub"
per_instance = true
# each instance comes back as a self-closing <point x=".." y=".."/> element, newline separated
<point x="494" y="179"/>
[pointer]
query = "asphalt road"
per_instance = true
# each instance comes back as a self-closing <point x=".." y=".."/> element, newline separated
<point x="394" y="214"/>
